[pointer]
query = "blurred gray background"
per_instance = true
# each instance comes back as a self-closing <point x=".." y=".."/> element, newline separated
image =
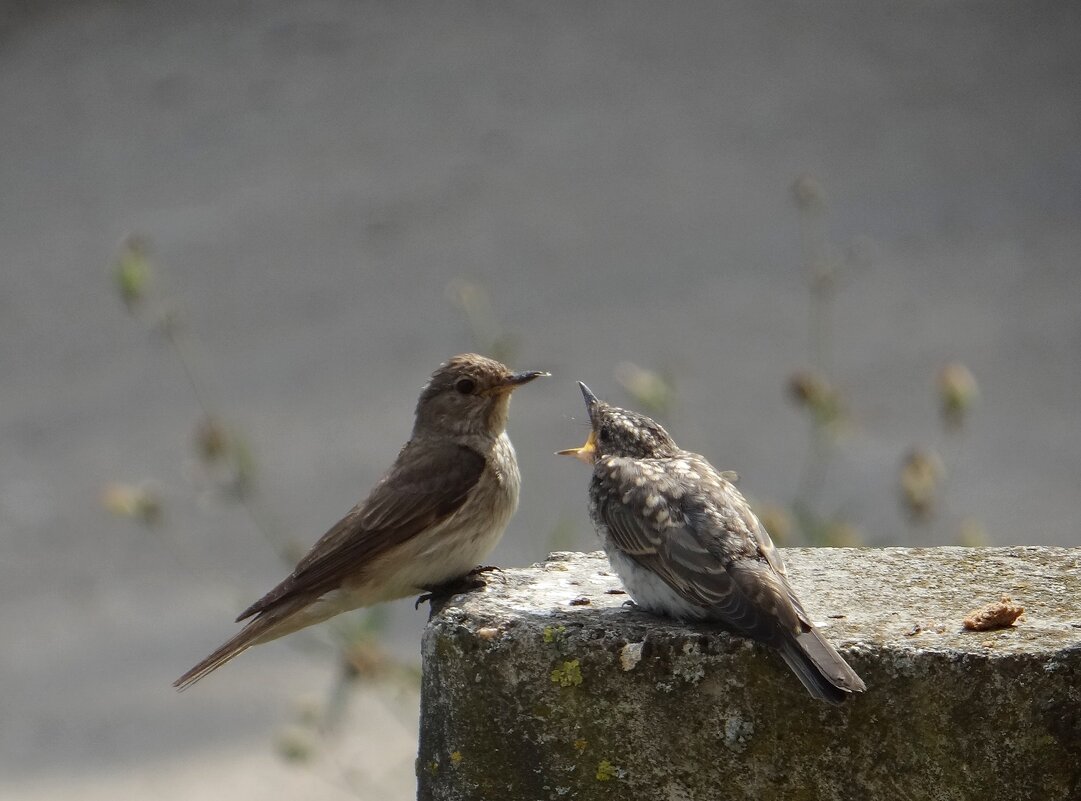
<point x="615" y="176"/>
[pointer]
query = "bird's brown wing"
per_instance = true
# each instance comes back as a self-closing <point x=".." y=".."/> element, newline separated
<point x="703" y="541"/>
<point x="710" y="558"/>
<point x="426" y="485"/>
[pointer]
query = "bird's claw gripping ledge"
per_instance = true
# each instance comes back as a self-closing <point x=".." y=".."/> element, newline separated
<point x="467" y="583"/>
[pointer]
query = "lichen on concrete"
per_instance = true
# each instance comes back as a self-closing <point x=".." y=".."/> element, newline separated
<point x="528" y="696"/>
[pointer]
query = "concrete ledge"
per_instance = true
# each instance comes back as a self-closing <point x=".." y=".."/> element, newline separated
<point x="544" y="687"/>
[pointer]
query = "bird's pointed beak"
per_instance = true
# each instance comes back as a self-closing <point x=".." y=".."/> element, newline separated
<point x="587" y="393"/>
<point x="515" y="380"/>
<point x="588" y="452"/>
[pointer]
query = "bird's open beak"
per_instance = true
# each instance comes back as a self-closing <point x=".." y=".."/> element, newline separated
<point x="586" y="453"/>
<point x="515" y="380"/>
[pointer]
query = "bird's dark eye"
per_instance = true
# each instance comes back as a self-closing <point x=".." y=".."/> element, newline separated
<point x="465" y="385"/>
<point x="605" y="434"/>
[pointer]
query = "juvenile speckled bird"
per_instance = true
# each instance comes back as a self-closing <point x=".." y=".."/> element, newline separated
<point x="435" y="515"/>
<point x="686" y="544"/>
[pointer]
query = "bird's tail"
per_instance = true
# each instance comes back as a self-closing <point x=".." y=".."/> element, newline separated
<point x="820" y="668"/>
<point x="268" y="625"/>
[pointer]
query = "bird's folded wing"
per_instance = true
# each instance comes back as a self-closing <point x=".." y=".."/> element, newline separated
<point x="422" y="489"/>
<point x="708" y="560"/>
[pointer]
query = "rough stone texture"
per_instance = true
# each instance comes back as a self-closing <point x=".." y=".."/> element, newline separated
<point x="544" y="686"/>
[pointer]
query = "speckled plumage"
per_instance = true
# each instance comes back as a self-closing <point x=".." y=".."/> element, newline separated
<point x="687" y="545"/>
<point x="437" y="513"/>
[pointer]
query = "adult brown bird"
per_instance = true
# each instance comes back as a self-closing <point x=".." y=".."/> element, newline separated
<point x="686" y="545"/>
<point x="435" y="515"/>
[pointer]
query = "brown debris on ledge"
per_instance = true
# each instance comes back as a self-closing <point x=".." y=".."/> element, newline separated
<point x="1000" y="615"/>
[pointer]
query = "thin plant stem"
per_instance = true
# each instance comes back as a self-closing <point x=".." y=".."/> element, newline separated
<point x="821" y="286"/>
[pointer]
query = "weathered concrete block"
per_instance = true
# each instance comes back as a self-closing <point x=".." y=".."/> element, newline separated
<point x="544" y="686"/>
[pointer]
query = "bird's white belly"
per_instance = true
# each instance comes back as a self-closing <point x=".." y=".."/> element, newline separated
<point x="649" y="590"/>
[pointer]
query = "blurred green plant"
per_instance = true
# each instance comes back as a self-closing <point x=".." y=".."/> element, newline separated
<point x="141" y="502"/>
<point x="925" y="471"/>
<point x="814" y="389"/>
<point x="224" y="455"/>
<point x="131" y="272"/>
<point x="813" y="392"/>
<point x="958" y="394"/>
<point x="777" y="520"/>
<point x="816" y="392"/>
<point x="921" y="477"/>
<point x="227" y="464"/>
<point x="485" y="331"/>
<point x="564" y="535"/>
<point x="971" y="533"/>
<point x="652" y="391"/>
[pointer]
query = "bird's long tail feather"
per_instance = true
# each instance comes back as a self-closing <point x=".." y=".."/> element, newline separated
<point x="823" y="671"/>
<point x="269" y="625"/>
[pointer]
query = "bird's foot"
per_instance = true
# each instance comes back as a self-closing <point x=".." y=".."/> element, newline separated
<point x="467" y="583"/>
<point x="629" y="604"/>
<point x="475" y="573"/>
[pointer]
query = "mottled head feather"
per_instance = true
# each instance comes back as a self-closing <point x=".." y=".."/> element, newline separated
<point x="619" y="432"/>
